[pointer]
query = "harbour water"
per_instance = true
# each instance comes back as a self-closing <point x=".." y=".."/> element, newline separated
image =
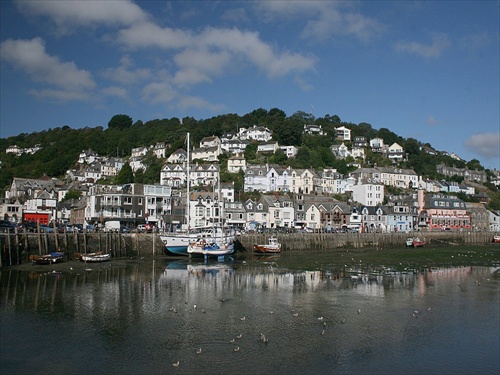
<point x="180" y="316"/>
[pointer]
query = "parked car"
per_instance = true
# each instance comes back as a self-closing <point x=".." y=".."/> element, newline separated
<point x="30" y="226"/>
<point x="124" y="229"/>
<point x="46" y="228"/>
<point x="148" y="228"/>
<point x="77" y="227"/>
<point x="6" y="226"/>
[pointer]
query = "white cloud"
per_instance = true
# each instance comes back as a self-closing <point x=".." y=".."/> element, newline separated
<point x="475" y="41"/>
<point x="200" y="65"/>
<point x="187" y="102"/>
<point x="326" y="18"/>
<point x="439" y="44"/>
<point x="125" y="73"/>
<point x="236" y="15"/>
<point x="115" y="91"/>
<point x="145" y="35"/>
<point x="249" y="46"/>
<point x="31" y="57"/>
<point x="431" y="120"/>
<point x="69" y="14"/>
<point x="212" y="51"/>
<point x="63" y="95"/>
<point x="303" y="84"/>
<point x="160" y="92"/>
<point x="486" y="145"/>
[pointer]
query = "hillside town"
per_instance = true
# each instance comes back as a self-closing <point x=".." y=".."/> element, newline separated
<point x="289" y="199"/>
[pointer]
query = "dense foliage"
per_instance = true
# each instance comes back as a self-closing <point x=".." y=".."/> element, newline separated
<point x="60" y="147"/>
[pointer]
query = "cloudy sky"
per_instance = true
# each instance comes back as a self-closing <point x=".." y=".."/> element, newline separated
<point x="423" y="69"/>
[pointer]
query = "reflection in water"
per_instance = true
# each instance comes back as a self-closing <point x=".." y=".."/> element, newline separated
<point x="141" y="318"/>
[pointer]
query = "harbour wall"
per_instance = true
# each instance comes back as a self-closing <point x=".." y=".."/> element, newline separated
<point x="16" y="248"/>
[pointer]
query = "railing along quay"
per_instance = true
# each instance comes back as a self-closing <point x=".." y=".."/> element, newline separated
<point x="15" y="248"/>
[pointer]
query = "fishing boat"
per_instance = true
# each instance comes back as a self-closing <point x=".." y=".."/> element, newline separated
<point x="208" y="249"/>
<point x="272" y="246"/>
<point x="415" y="242"/>
<point x="51" y="258"/>
<point x="93" y="257"/>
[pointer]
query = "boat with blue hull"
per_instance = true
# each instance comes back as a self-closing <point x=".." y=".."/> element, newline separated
<point x="178" y="243"/>
<point x="213" y="249"/>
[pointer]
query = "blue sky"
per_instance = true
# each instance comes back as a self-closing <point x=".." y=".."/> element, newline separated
<point x="423" y="69"/>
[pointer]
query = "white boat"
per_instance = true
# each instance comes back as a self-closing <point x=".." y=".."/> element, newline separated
<point x="207" y="249"/>
<point x="95" y="257"/>
<point x="415" y="242"/>
<point x="273" y="246"/>
<point x="177" y="243"/>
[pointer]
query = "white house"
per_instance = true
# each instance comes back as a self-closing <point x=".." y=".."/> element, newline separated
<point x="256" y="133"/>
<point x="212" y="141"/>
<point x="16" y="150"/>
<point x="313" y="129"/>
<point x="160" y="150"/>
<point x="236" y="163"/>
<point x="395" y="152"/>
<point x="342" y="133"/>
<point x="290" y="151"/>
<point x="358" y="152"/>
<point x="136" y="163"/>
<point x="206" y="153"/>
<point x="234" y="146"/>
<point x="368" y="194"/>
<point x="377" y="145"/>
<point x="87" y="157"/>
<point x="179" y="156"/>
<point x="268" y="147"/>
<point x="139" y="151"/>
<point x="340" y="151"/>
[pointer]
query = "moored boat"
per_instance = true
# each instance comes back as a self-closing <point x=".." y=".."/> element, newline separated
<point x="273" y="246"/>
<point x="178" y="243"/>
<point x="207" y="249"/>
<point x="417" y="242"/>
<point x="51" y="258"/>
<point x="93" y="257"/>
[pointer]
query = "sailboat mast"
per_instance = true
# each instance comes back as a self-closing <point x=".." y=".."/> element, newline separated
<point x="188" y="179"/>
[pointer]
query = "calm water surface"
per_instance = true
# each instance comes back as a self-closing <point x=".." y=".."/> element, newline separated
<point x="140" y="317"/>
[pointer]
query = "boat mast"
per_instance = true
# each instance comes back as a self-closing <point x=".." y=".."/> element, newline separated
<point x="187" y="183"/>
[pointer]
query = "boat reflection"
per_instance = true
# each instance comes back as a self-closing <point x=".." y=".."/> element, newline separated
<point x="181" y="269"/>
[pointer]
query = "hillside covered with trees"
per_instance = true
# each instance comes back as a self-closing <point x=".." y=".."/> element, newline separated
<point x="61" y="146"/>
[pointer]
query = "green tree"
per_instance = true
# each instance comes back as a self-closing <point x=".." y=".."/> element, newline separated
<point x="121" y="122"/>
<point x="72" y="194"/>
<point x="139" y="176"/>
<point x="251" y="151"/>
<point x="279" y="157"/>
<point x="125" y="176"/>
<point x="475" y="164"/>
